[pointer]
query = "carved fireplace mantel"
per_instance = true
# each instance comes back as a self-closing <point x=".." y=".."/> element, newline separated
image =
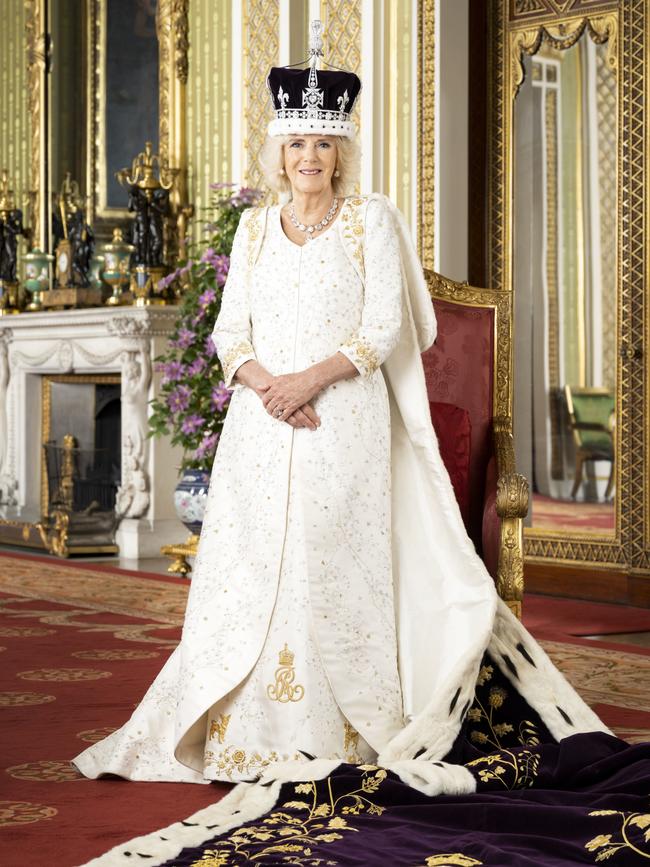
<point x="96" y="341"/>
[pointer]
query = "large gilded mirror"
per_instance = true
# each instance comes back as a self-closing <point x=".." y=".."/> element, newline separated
<point x="108" y="76"/>
<point x="568" y="236"/>
<point x="564" y="241"/>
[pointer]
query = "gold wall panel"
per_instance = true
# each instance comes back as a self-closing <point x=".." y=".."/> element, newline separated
<point x="398" y="88"/>
<point x="342" y="33"/>
<point x="260" y="34"/>
<point x="209" y="101"/>
<point x="14" y="105"/>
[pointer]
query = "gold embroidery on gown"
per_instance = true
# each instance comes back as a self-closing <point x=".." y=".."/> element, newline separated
<point x="283" y="689"/>
<point x="351" y="743"/>
<point x="218" y="727"/>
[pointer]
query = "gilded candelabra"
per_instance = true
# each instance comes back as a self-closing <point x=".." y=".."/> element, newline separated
<point x="149" y="183"/>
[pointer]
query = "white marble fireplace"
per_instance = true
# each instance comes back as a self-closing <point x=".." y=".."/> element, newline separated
<point x="93" y="341"/>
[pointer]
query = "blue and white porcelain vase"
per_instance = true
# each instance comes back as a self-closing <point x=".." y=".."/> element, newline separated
<point x="190" y="497"/>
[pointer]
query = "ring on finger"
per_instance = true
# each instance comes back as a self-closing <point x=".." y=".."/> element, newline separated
<point x="278" y="412"/>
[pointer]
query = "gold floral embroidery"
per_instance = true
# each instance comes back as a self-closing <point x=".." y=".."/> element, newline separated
<point x="254" y="227"/>
<point x="233" y="759"/>
<point x="299" y="833"/>
<point x="218" y="727"/>
<point x="350" y="743"/>
<point x="630" y="823"/>
<point x="244" y="347"/>
<point x="513" y="770"/>
<point x="283" y="690"/>
<point x="365" y="353"/>
<point x="452" y="859"/>
<point x="479" y="713"/>
<point x="353" y="230"/>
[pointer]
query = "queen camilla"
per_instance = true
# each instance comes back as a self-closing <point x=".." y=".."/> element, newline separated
<point x="338" y="609"/>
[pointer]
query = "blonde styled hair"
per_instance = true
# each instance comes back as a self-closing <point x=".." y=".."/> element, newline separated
<point x="348" y="164"/>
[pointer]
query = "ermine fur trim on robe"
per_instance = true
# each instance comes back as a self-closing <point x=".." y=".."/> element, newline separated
<point x="245" y="803"/>
<point x="248" y="801"/>
<point x="528" y="667"/>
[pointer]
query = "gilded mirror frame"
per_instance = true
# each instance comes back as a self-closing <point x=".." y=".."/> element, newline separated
<point x="173" y="47"/>
<point x="516" y="29"/>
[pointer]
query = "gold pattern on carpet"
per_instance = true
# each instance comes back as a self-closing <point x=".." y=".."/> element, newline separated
<point x="57" y="675"/>
<point x="23" y="812"/>
<point x="102" y="591"/>
<point x="604" y="676"/>
<point x="141" y="632"/>
<point x="115" y="654"/>
<point x="24" y="631"/>
<point x="51" y="772"/>
<point x="21" y="699"/>
<point x="93" y="736"/>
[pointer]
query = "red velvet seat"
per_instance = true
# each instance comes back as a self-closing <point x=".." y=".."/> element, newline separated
<point x="475" y="441"/>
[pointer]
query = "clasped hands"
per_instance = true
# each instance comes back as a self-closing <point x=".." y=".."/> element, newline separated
<point x="285" y="397"/>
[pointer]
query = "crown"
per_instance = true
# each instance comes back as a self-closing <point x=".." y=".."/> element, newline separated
<point x="286" y="656"/>
<point x="312" y="100"/>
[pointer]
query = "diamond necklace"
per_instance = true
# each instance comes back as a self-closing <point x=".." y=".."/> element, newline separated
<point x="317" y="226"/>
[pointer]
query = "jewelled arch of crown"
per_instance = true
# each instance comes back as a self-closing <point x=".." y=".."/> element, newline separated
<point x="313" y="96"/>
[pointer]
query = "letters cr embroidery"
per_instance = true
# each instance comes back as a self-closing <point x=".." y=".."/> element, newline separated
<point x="283" y="690"/>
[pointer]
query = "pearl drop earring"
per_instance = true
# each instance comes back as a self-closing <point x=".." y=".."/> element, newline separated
<point x="337" y="174"/>
<point x="281" y="172"/>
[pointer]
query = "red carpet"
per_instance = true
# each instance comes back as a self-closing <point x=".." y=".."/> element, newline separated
<point x="546" y="616"/>
<point x="79" y="645"/>
<point x="69" y="675"/>
<point x="550" y="514"/>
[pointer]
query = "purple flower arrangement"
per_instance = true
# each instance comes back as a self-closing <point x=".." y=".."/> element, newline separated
<point x="193" y="399"/>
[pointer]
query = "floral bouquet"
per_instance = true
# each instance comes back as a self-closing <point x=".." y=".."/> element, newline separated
<point x="193" y="398"/>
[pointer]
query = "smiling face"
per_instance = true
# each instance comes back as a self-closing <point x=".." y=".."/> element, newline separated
<point x="310" y="161"/>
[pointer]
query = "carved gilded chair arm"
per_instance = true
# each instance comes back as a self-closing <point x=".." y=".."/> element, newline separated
<point x="512" y="499"/>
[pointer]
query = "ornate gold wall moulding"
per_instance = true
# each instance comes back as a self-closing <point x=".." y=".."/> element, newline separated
<point x="426" y="132"/>
<point x="37" y="63"/>
<point x="561" y="35"/>
<point x="173" y="68"/>
<point x="260" y="50"/>
<point x="519" y="11"/>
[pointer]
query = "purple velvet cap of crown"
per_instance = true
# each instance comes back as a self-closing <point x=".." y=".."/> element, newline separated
<point x="317" y="101"/>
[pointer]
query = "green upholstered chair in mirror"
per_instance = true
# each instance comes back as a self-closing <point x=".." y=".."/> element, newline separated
<point x="591" y="421"/>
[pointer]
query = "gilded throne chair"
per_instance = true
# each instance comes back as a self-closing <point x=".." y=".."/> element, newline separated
<point x="468" y="375"/>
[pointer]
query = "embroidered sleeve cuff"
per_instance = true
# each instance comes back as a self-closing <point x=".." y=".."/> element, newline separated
<point x="233" y="360"/>
<point x="362" y="354"/>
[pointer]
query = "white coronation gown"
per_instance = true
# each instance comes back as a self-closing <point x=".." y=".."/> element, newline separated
<point x="337" y="608"/>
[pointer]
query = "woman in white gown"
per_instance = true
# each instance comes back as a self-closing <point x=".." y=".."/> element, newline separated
<point x="337" y="609"/>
